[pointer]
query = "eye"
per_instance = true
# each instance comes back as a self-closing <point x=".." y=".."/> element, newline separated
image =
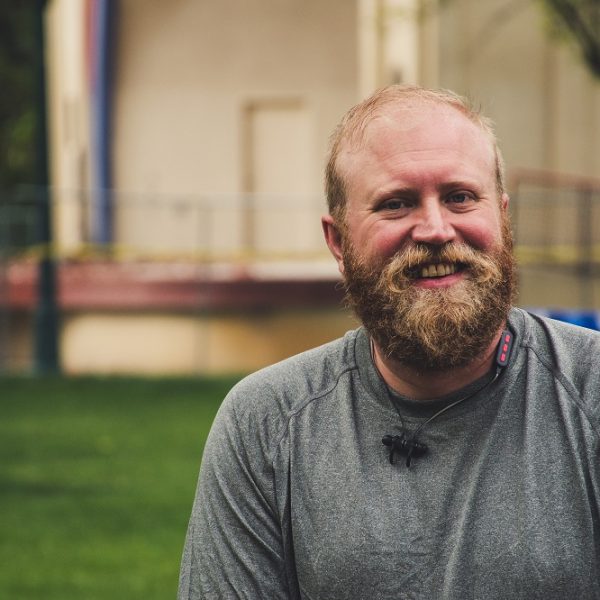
<point x="396" y="204"/>
<point x="460" y="198"/>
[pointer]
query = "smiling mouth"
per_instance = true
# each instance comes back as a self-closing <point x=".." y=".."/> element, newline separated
<point x="433" y="270"/>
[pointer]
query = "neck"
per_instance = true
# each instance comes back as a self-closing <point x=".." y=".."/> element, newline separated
<point x="427" y="385"/>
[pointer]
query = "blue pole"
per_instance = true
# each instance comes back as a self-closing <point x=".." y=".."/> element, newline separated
<point x="103" y="57"/>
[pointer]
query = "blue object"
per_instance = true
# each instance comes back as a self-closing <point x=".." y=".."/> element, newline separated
<point x="103" y="62"/>
<point x="586" y="319"/>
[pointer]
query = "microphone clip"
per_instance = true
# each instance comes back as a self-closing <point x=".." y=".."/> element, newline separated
<point x="399" y="444"/>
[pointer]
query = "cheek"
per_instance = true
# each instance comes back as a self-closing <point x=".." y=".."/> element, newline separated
<point x="389" y="243"/>
<point x="384" y="240"/>
<point x="483" y="234"/>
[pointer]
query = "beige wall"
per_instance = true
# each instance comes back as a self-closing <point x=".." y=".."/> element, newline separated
<point x="202" y="90"/>
<point x="158" y="343"/>
<point x="189" y="78"/>
<point x="188" y="69"/>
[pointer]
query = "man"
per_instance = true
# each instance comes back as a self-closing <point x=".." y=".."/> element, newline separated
<point x="447" y="449"/>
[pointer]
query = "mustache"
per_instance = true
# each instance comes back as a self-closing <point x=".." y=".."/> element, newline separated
<point x="406" y="265"/>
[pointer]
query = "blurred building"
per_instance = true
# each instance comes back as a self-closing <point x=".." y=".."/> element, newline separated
<point x="188" y="141"/>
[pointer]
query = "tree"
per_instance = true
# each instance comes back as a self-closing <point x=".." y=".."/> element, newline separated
<point x="17" y="101"/>
<point x="579" y="20"/>
<point x="576" y="21"/>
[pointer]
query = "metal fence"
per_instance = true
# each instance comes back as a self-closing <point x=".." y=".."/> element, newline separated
<point x="556" y="223"/>
<point x="208" y="228"/>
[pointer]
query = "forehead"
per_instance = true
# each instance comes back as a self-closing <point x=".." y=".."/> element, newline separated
<point x="428" y="130"/>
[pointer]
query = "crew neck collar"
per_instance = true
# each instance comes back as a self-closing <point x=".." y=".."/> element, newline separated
<point x="383" y="395"/>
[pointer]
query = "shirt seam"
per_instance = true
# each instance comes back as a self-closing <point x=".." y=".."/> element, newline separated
<point x="299" y="409"/>
<point x="290" y="415"/>
<point x="567" y="386"/>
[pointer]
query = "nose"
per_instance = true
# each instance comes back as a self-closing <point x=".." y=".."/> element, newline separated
<point x="432" y="224"/>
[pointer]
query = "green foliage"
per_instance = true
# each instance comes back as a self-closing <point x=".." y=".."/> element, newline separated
<point x="17" y="101"/>
<point x="97" y="478"/>
<point x="574" y="21"/>
<point x="579" y="22"/>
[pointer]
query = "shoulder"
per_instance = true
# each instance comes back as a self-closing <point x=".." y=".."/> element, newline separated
<point x="300" y="378"/>
<point x="261" y="404"/>
<point x="556" y="341"/>
<point x="571" y="353"/>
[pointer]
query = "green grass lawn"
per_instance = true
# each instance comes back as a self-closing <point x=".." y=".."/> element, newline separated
<point x="97" y="478"/>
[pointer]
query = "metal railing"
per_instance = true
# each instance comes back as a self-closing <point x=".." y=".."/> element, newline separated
<point x="556" y="220"/>
<point x="207" y="228"/>
<point x="556" y="223"/>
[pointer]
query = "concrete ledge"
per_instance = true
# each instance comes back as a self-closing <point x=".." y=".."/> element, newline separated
<point x="84" y="286"/>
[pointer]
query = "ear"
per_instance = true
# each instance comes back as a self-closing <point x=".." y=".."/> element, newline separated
<point x="333" y="237"/>
<point x="504" y="201"/>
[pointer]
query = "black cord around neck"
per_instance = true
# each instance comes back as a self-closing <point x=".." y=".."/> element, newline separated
<point x="401" y="444"/>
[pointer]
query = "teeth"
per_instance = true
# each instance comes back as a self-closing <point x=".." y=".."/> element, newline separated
<point x="439" y="270"/>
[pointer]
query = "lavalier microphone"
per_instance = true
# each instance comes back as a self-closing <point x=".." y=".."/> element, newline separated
<point x="399" y="444"/>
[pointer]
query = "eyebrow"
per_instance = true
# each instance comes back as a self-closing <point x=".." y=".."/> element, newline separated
<point x="460" y="183"/>
<point x="393" y="191"/>
<point x="466" y="183"/>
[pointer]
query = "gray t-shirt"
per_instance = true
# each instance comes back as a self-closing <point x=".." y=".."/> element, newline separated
<point x="297" y="497"/>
